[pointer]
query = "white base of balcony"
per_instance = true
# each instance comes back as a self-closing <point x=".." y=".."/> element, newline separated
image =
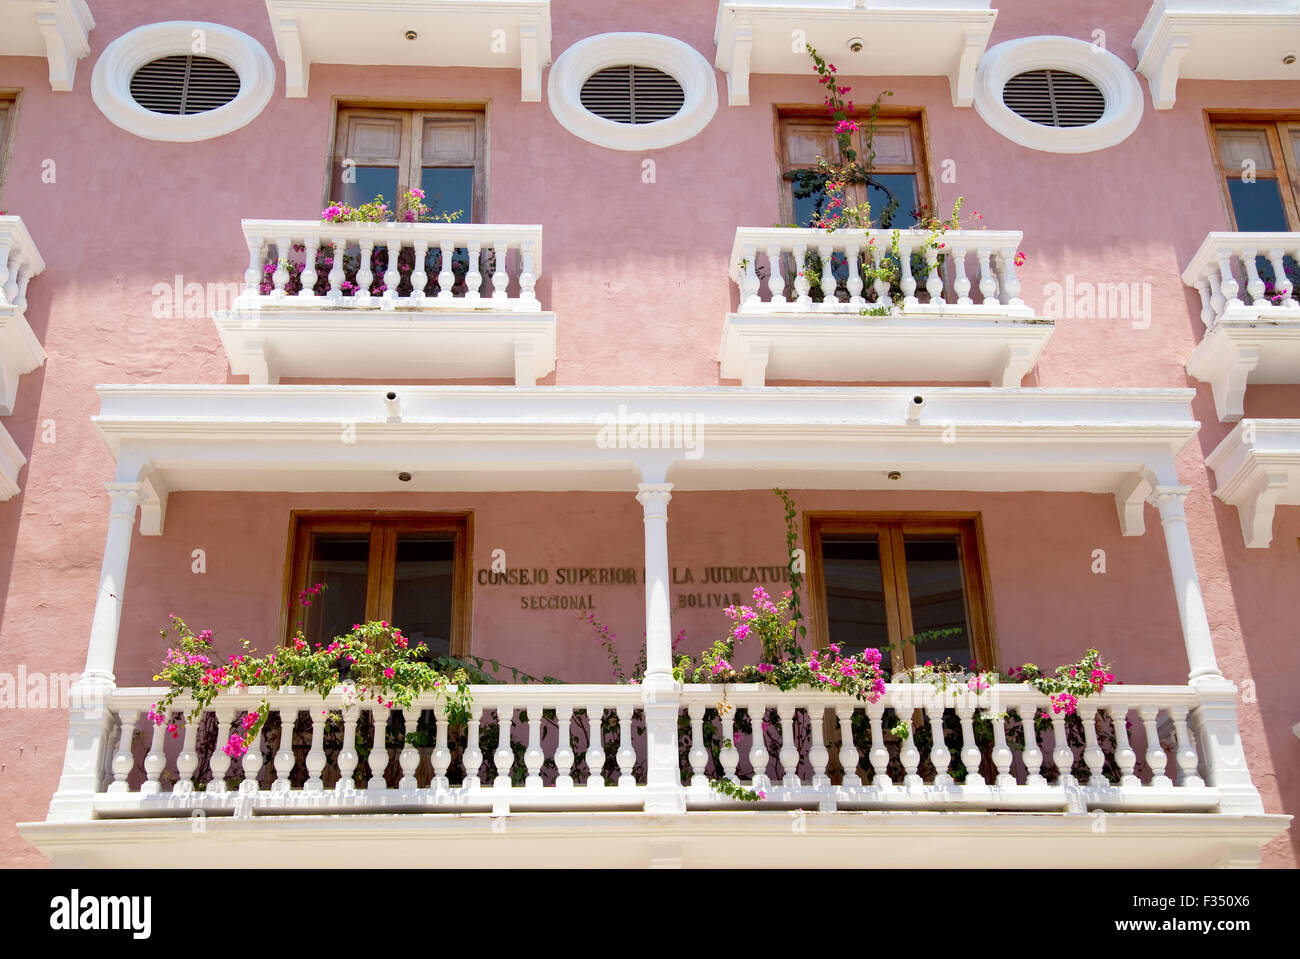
<point x="1249" y="344"/>
<point x="20" y="352"/>
<point x="925" y="344"/>
<point x="735" y="839"/>
<point x="428" y="343"/>
<point x="1257" y="469"/>
<point x="11" y="461"/>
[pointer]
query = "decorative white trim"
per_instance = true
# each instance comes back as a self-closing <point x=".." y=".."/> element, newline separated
<point x="58" y="30"/>
<point x="1257" y="469"/>
<point x="110" y="83"/>
<point x="11" y="461"/>
<point x="679" y="60"/>
<point x="1216" y="40"/>
<point x="1109" y="73"/>
<point x="20" y="350"/>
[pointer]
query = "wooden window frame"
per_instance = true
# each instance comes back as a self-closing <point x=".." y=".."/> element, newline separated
<point x="380" y="567"/>
<point x="891" y="527"/>
<point x="914" y="116"/>
<point x="409" y="171"/>
<point x="11" y="97"/>
<point x="1287" y="175"/>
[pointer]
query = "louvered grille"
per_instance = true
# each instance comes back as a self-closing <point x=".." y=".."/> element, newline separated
<point x="184" y="84"/>
<point x="632" y="94"/>
<point x="1054" y="98"/>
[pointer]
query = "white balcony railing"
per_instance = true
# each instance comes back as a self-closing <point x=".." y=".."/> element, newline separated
<point x="1247" y="284"/>
<point x="530" y="747"/>
<point x="20" y="350"/>
<point x="808" y="309"/>
<point x="389" y="300"/>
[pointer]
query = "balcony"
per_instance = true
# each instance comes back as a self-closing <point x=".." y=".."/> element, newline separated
<point x="58" y="30"/>
<point x="943" y="38"/>
<point x="1257" y="469"/>
<point x="404" y="301"/>
<point x="1246" y="342"/>
<point x="1216" y="40"/>
<point x="20" y="350"/>
<point x="515" y="34"/>
<point x="841" y="330"/>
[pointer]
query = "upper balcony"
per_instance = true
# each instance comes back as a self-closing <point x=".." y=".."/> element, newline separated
<point x="58" y="30"/>
<point x="1216" y="40"/>
<point x="515" y="34"/>
<point x="1254" y="339"/>
<point x="433" y="301"/>
<point x="943" y="38"/>
<point x="799" y="321"/>
<point x="20" y="350"/>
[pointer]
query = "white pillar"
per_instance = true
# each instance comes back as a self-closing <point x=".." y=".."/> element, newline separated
<point x="90" y="723"/>
<point x="659" y="695"/>
<point x="1187" y="587"/>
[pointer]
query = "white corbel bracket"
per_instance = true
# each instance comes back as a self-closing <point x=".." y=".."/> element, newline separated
<point x="65" y="31"/>
<point x="288" y="46"/>
<point x="1161" y="67"/>
<point x="1130" y="504"/>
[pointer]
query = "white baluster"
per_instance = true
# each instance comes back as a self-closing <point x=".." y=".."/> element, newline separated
<point x="1062" y="754"/>
<point x="283" y="250"/>
<point x="1001" y="754"/>
<point x="879" y="752"/>
<point x="505" y="755"/>
<point x="853" y="253"/>
<point x="284" y="758"/>
<point x="758" y="754"/>
<point x="940" y="754"/>
<point x="316" y="754"/>
<point x="474" y="279"/>
<point x="826" y="252"/>
<point x="564" y="751"/>
<point x="988" y="284"/>
<point x="533" y="755"/>
<point x="626" y="755"/>
<point x="789" y="753"/>
<point x="961" y="282"/>
<point x="749" y="277"/>
<point x="1092" y="752"/>
<point x="188" y="760"/>
<point x="251" y="762"/>
<point x="527" y="281"/>
<point x="1217" y="300"/>
<point x="392" y="276"/>
<point x="220" y="761"/>
<point x="848" y="751"/>
<point x="365" y="275"/>
<point x="24" y="277"/>
<point x="970" y="753"/>
<point x="933" y="278"/>
<point x="473" y="756"/>
<point x="441" y="754"/>
<point x="253" y="275"/>
<point x="446" y="278"/>
<point x="1125" y="757"/>
<point x="1207" y="307"/>
<point x="1254" y="283"/>
<point x="909" y="755"/>
<point x="1186" y="754"/>
<point x="775" y="281"/>
<point x="1155" y="754"/>
<point x="500" y="279"/>
<point x="123" y="759"/>
<point x="1010" y="282"/>
<point x="730" y="757"/>
<point x="337" y="273"/>
<point x="409" y="758"/>
<point x="908" y="282"/>
<point x="10" y="285"/>
<point x="347" y="758"/>
<point x="419" y="278"/>
<point x="378" y="760"/>
<point x="880" y="285"/>
<point x="1227" y="282"/>
<point x="698" y="755"/>
<point x="1032" y="756"/>
<point x="595" y="746"/>
<point x="309" y="275"/>
<point x="819" y="756"/>
<point x="801" y="285"/>
<point x="1281" y="282"/>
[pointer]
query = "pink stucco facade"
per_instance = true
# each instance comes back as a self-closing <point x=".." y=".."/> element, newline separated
<point x="637" y="274"/>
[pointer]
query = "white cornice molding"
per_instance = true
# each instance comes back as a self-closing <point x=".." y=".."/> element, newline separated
<point x="1111" y="75"/>
<point x="679" y="60"/>
<point x="899" y="38"/>
<point x="1257" y="469"/>
<point x="58" y="30"/>
<point x="110" y="83"/>
<point x="1216" y="40"/>
<point x="514" y="34"/>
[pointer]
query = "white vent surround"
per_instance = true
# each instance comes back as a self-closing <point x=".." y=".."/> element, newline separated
<point x="110" y="83"/>
<point x="679" y="60"/>
<point x="1111" y="75"/>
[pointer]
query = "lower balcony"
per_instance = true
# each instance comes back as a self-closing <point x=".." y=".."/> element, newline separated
<point x="809" y="310"/>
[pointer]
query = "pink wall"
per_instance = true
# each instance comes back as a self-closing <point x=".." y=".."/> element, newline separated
<point x="637" y="275"/>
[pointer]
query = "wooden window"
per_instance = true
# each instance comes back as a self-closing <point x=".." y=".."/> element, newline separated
<point x="384" y="151"/>
<point x="409" y="569"/>
<point x="8" y="110"/>
<point x="900" y="166"/>
<point x="1258" y="162"/>
<point x="879" y="580"/>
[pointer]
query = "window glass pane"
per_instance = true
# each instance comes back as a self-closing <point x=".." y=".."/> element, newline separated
<point x="894" y="201"/>
<point x="371" y="181"/>
<point x="934" y="584"/>
<point x="422" y="589"/>
<point x="806" y="206"/>
<point x="855" y="596"/>
<point x="1237" y="147"/>
<point x="341" y="562"/>
<point x="448" y="190"/>
<point x="1257" y="205"/>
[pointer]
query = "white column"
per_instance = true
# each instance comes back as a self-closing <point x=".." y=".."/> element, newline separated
<point x="90" y="724"/>
<point x="659" y="694"/>
<point x="1187" y="587"/>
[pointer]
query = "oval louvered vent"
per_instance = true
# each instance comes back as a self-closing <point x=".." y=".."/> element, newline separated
<point x="1054" y="98"/>
<point x="632" y="94"/>
<point x="184" y="84"/>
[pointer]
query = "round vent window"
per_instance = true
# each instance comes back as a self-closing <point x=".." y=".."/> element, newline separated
<point x="184" y="84"/>
<point x="1054" y="98"/>
<point x="632" y="94"/>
